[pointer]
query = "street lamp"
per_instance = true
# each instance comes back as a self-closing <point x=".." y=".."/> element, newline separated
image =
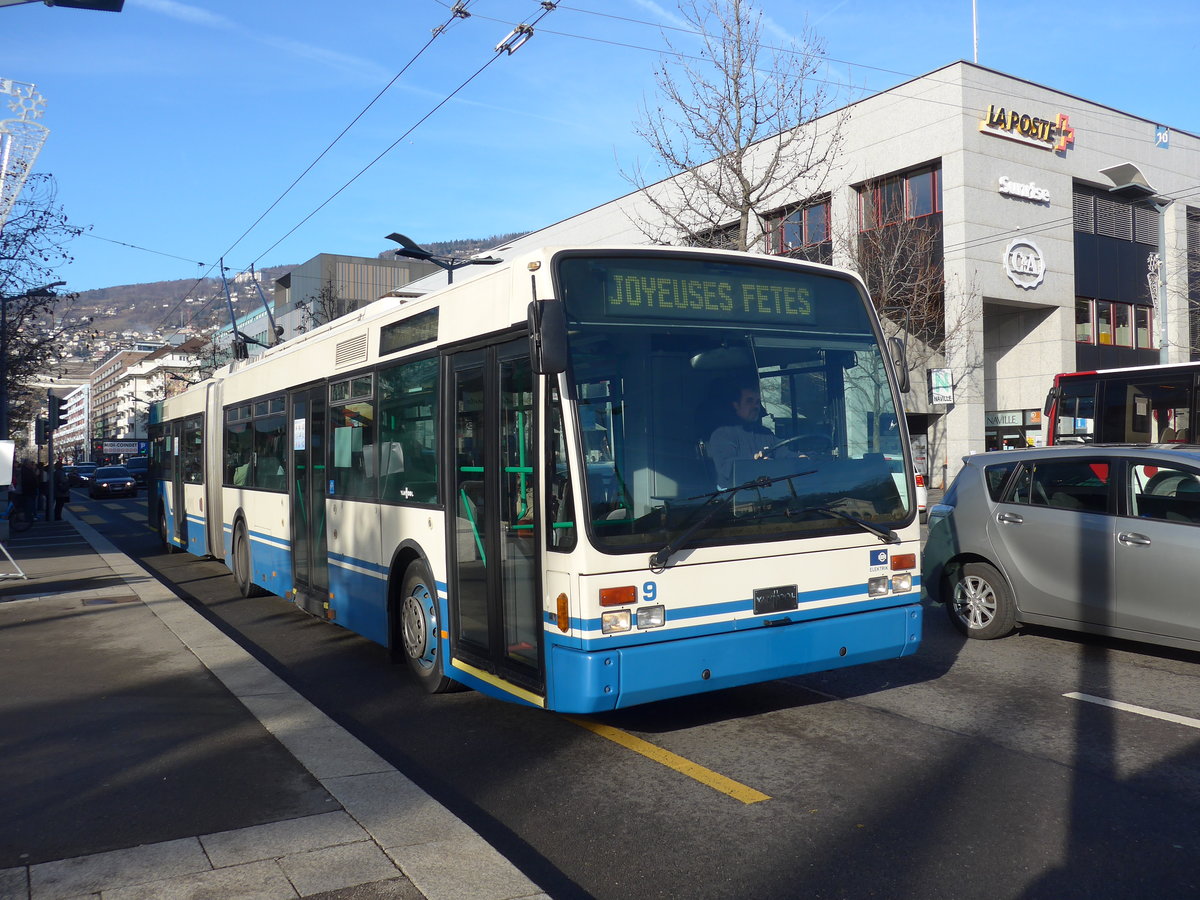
<point x="413" y="250"/>
<point x="1129" y="182"/>
<point x="46" y="290"/>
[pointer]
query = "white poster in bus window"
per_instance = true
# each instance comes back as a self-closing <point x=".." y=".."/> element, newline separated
<point x="298" y="434"/>
<point x="346" y="442"/>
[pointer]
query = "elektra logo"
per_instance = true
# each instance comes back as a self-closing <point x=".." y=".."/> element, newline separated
<point x="1028" y="191"/>
<point x="1024" y="264"/>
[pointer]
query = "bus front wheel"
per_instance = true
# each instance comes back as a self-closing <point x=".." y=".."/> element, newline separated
<point x="419" y="630"/>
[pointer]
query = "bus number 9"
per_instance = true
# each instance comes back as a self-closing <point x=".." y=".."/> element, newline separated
<point x="649" y="592"/>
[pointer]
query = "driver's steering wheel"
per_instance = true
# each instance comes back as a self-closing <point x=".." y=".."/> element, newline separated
<point x="812" y="443"/>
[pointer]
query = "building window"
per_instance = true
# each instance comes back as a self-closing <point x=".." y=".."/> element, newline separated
<point x="1083" y="321"/>
<point x="909" y="195"/>
<point x="1104" y="322"/>
<point x="801" y="231"/>
<point x="1141" y="327"/>
<point x="1110" y="323"/>
<point x="1122" y="325"/>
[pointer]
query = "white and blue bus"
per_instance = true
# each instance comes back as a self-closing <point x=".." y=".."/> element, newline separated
<point x="510" y="482"/>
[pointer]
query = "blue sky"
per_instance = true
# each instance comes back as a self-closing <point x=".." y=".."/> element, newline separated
<point x="174" y="126"/>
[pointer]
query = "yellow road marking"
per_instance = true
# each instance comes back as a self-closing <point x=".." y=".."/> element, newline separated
<point x="707" y="777"/>
<point x="136" y="516"/>
<point x="93" y="519"/>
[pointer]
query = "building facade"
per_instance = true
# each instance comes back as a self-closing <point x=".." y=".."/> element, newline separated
<point x="1042" y="239"/>
<point x="324" y="288"/>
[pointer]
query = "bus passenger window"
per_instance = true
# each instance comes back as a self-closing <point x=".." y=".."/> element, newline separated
<point x="352" y="437"/>
<point x="408" y="432"/>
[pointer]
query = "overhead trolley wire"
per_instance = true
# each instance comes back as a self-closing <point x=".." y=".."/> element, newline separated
<point x="459" y="11"/>
<point x="515" y="39"/>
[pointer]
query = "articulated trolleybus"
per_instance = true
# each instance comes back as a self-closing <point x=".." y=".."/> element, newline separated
<point x="512" y="482"/>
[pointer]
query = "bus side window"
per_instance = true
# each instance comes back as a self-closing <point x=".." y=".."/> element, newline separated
<point x="353" y="465"/>
<point x="408" y="432"/>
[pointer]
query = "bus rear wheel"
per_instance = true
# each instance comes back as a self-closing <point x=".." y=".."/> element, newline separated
<point x="165" y="535"/>
<point x="243" y="573"/>
<point x="419" y="633"/>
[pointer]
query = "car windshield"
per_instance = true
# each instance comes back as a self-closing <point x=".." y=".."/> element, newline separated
<point x="658" y="395"/>
<point x="113" y="472"/>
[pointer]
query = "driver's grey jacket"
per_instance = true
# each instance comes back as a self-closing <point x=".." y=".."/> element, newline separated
<point x="730" y="442"/>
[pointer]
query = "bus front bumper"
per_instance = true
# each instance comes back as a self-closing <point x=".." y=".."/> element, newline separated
<point x="599" y="680"/>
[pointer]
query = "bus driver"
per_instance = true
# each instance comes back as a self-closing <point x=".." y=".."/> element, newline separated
<point x="745" y="438"/>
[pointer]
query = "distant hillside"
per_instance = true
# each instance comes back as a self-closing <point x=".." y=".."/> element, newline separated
<point x="126" y="313"/>
<point x="169" y="305"/>
<point x="467" y="247"/>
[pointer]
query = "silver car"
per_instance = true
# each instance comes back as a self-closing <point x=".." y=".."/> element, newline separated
<point x="1103" y="539"/>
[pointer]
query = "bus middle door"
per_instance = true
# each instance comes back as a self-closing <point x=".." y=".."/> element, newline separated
<point x="310" y="566"/>
<point x="495" y="606"/>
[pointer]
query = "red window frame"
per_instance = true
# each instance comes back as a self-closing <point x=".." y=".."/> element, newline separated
<point x="799" y="221"/>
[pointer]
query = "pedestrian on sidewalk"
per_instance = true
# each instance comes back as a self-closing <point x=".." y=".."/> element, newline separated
<point x="62" y="490"/>
<point x="29" y="489"/>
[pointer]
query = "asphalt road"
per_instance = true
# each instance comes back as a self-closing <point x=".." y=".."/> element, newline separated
<point x="963" y="772"/>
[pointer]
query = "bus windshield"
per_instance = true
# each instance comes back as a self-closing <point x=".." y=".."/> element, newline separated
<point x="744" y="401"/>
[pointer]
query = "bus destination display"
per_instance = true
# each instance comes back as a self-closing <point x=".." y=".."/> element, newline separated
<point x="747" y="295"/>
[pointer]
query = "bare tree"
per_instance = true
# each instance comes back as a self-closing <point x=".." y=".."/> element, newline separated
<point x="733" y="130"/>
<point x="324" y="306"/>
<point x="1188" y="260"/>
<point x="32" y="246"/>
<point x="902" y="266"/>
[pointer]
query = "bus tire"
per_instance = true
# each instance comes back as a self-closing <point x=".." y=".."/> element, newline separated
<point x="163" y="534"/>
<point x="418" y="630"/>
<point x="980" y="602"/>
<point x="243" y="573"/>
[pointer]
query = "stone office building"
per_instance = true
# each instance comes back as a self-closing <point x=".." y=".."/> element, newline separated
<point x="1045" y="210"/>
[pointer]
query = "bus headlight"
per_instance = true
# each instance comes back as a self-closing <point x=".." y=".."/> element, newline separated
<point x="651" y="616"/>
<point x="877" y="586"/>
<point x="615" y="621"/>
<point x="902" y="583"/>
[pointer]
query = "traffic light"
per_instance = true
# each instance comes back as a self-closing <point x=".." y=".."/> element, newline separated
<point x="56" y="410"/>
<point x="39" y="431"/>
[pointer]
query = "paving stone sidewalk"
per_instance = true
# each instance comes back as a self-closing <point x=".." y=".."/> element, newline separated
<point x="149" y="756"/>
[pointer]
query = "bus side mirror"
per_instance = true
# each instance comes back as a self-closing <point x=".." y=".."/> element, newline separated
<point x="900" y="361"/>
<point x="547" y="337"/>
<point x="1051" y="396"/>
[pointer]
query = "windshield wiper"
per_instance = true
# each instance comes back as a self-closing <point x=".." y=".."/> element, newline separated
<point x="884" y="534"/>
<point x="714" y="500"/>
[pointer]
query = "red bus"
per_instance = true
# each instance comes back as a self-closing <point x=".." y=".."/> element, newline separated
<point x="1136" y="405"/>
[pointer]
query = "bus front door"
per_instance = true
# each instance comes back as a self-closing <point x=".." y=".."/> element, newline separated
<point x="310" y="565"/>
<point x="495" y="606"/>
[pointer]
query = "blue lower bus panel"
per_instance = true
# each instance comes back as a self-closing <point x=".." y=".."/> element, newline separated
<point x="588" y="682"/>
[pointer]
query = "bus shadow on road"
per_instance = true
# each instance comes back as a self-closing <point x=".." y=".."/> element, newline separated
<point x="941" y="644"/>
